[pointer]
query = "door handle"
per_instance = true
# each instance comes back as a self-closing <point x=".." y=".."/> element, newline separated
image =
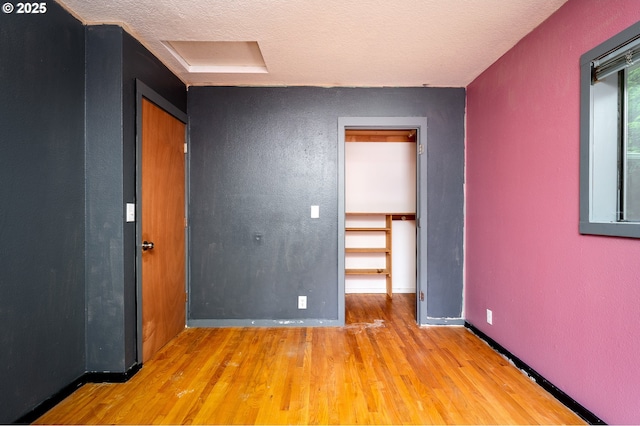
<point x="147" y="245"/>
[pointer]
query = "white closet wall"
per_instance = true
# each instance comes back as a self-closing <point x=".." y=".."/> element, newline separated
<point x="380" y="178"/>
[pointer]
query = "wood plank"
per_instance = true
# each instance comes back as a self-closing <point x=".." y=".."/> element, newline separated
<point x="379" y="214"/>
<point x="403" y="216"/>
<point x="388" y="255"/>
<point x="381" y="368"/>
<point x="367" y="250"/>
<point x="379" y="135"/>
<point x="379" y="271"/>
<point x="366" y="229"/>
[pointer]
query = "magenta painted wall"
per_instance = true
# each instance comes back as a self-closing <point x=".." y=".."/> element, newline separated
<point x="568" y="305"/>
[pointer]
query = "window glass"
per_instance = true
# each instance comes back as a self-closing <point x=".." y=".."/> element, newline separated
<point x="631" y="146"/>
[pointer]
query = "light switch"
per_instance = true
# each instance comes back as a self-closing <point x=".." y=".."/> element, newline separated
<point x="315" y="212"/>
<point x="131" y="212"/>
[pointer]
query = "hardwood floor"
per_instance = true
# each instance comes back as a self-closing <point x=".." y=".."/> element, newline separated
<point x="381" y="368"/>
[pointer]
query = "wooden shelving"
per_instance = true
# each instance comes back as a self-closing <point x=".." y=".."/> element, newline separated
<point x="376" y="232"/>
<point x="368" y="250"/>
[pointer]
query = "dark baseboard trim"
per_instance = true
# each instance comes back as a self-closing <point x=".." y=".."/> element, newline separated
<point x="92" y="377"/>
<point x="569" y="402"/>
<point x="106" y="377"/>
<point x="50" y="402"/>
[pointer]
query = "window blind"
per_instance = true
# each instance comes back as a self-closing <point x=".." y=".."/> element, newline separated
<point x="616" y="60"/>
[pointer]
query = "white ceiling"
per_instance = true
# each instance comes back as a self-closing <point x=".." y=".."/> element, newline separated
<point x="371" y="43"/>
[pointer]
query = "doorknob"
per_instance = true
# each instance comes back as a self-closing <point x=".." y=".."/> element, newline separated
<point x="147" y="245"/>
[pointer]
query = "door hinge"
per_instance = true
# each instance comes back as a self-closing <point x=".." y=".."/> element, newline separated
<point x="186" y="223"/>
<point x="420" y="149"/>
<point x="422" y="296"/>
<point x="186" y="297"/>
<point x="185" y="147"/>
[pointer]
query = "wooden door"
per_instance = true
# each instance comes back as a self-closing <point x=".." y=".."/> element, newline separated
<point x="163" y="228"/>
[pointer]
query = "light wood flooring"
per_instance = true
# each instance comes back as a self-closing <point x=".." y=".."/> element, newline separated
<point x="381" y="368"/>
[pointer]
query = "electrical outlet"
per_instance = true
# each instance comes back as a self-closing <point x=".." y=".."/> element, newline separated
<point x="489" y="316"/>
<point x="302" y="302"/>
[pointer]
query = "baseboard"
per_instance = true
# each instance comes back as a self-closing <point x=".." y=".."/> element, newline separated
<point x="443" y="321"/>
<point x="107" y="377"/>
<point x="91" y="377"/>
<point x="219" y="323"/>
<point x="50" y="402"/>
<point x="565" y="399"/>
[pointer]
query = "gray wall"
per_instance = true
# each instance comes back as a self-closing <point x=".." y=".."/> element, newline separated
<point x="260" y="157"/>
<point x="114" y="61"/>
<point x="42" y="319"/>
<point x="67" y="275"/>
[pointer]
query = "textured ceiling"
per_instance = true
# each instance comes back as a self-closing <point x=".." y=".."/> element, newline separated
<point x="442" y="43"/>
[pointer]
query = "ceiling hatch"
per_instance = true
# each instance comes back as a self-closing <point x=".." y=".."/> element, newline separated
<point x="236" y="57"/>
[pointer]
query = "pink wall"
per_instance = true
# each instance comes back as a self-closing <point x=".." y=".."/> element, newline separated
<point x="568" y="305"/>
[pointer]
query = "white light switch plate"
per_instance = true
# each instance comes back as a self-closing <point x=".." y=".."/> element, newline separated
<point x="315" y="212"/>
<point x="131" y="212"/>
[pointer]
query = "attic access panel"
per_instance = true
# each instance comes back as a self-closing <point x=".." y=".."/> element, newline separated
<point x="240" y="57"/>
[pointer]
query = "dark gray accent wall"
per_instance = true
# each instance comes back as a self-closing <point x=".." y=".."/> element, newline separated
<point x="114" y="61"/>
<point x="42" y="325"/>
<point x="260" y="157"/>
<point x="104" y="194"/>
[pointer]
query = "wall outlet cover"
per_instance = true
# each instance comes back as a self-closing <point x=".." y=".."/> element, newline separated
<point x="302" y="302"/>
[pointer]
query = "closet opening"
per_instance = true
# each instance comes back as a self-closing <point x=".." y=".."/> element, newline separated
<point x="380" y="198"/>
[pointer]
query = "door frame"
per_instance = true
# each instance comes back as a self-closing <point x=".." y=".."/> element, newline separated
<point x="388" y="123"/>
<point x="145" y="92"/>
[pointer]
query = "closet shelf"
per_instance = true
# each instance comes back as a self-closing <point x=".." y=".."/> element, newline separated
<point x="372" y="232"/>
<point x="367" y="250"/>
<point x="366" y="271"/>
<point x="367" y="229"/>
